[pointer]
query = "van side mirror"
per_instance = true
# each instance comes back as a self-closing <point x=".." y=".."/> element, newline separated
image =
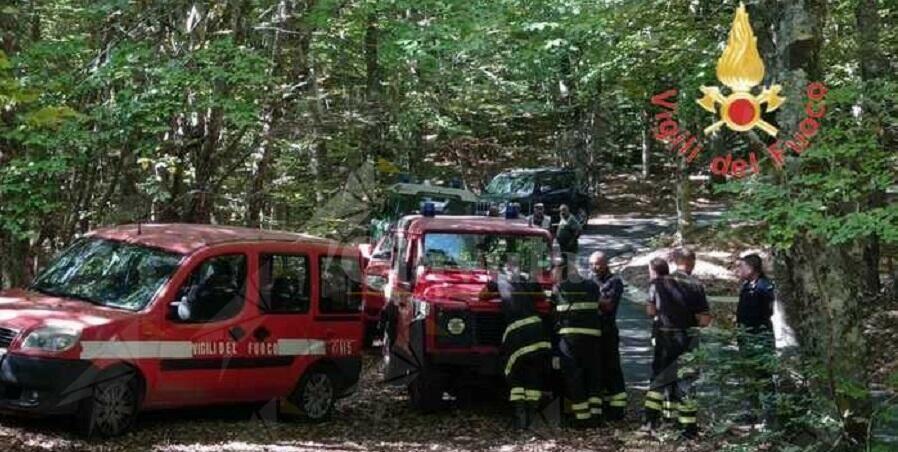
<point x="179" y="310"/>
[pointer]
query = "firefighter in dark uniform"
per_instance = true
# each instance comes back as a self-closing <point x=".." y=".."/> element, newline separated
<point x="611" y="288"/>
<point x="579" y="330"/>
<point x="754" y="315"/>
<point x="525" y="343"/>
<point x="678" y="307"/>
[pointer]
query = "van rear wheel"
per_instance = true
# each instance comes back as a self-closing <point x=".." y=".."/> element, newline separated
<point x="315" y="396"/>
<point x="112" y="407"/>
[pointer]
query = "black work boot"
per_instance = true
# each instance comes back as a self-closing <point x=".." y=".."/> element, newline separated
<point x="689" y="432"/>
<point x="521" y="418"/>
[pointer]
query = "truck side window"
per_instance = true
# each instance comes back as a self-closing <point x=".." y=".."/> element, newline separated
<point x="340" y="286"/>
<point x="284" y="283"/>
<point x="215" y="290"/>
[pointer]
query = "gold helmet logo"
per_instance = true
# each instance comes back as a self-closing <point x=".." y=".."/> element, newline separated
<point x="740" y="68"/>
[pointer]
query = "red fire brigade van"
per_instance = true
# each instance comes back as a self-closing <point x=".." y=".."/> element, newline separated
<point x="157" y="316"/>
<point x="442" y="335"/>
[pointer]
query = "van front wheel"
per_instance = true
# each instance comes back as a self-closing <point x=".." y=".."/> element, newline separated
<point x="112" y="407"/>
<point x="315" y="395"/>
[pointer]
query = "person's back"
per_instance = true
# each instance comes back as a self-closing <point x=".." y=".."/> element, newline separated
<point x="518" y="296"/>
<point x="525" y="344"/>
<point x="578" y="306"/>
<point x="677" y="300"/>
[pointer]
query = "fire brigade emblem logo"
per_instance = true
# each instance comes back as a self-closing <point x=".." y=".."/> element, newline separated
<point x="740" y="68"/>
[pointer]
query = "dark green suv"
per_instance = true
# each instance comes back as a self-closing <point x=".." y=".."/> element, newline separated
<point x="550" y="186"/>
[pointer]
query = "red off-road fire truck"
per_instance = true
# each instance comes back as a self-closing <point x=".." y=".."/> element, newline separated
<point x="156" y="316"/>
<point x="442" y="335"/>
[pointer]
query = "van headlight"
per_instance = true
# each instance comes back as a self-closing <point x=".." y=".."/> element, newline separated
<point x="51" y="339"/>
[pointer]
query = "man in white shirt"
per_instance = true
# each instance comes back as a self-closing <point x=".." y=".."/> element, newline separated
<point x="539" y="217"/>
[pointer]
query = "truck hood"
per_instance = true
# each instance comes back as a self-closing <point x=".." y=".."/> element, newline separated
<point x="24" y="310"/>
<point x="454" y="286"/>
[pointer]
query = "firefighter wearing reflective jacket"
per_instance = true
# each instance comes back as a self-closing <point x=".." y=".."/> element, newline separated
<point x="611" y="288"/>
<point x="678" y="305"/>
<point x="525" y="344"/>
<point x="579" y="330"/>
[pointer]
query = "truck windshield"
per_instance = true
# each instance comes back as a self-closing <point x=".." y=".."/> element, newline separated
<point x="484" y="251"/>
<point x="108" y="273"/>
<point x="506" y="184"/>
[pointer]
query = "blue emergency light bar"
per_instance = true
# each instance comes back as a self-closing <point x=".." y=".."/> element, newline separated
<point x="429" y="209"/>
<point x="511" y="211"/>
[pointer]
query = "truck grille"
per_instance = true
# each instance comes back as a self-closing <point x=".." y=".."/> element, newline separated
<point x="488" y="328"/>
<point x="6" y="336"/>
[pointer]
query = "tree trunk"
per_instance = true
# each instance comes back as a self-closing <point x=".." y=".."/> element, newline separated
<point x="683" y="200"/>
<point x="873" y="67"/>
<point x="646" y="145"/>
<point x="821" y="285"/>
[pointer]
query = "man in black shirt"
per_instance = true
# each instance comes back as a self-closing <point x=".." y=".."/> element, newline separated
<point x="579" y="330"/>
<point x="678" y="306"/>
<point x="525" y="344"/>
<point x="756" y="342"/>
<point x="611" y="288"/>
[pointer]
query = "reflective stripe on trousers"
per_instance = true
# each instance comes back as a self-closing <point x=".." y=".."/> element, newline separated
<point x="618" y="400"/>
<point x="687" y="412"/>
<point x="581" y="410"/>
<point x="518" y="393"/>
<point x="653" y="400"/>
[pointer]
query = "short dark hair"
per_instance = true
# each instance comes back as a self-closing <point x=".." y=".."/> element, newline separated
<point x="754" y="261"/>
<point x="682" y="255"/>
<point x="659" y="266"/>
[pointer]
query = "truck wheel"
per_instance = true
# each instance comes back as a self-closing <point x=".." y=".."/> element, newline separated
<point x="315" y="395"/>
<point x="425" y="393"/>
<point x="111" y="409"/>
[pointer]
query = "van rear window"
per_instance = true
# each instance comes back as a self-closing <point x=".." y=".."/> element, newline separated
<point x="341" y="285"/>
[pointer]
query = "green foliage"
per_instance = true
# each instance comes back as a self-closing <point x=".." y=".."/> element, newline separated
<point x="762" y="400"/>
<point x="827" y="190"/>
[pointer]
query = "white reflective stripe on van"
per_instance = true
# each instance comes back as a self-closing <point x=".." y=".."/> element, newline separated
<point x="293" y="347"/>
<point x="136" y="349"/>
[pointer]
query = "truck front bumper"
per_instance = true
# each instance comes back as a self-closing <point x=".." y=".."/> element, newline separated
<point x="487" y="364"/>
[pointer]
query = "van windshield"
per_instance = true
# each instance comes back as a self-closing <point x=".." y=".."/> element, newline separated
<point x="484" y="251"/>
<point x="108" y="273"/>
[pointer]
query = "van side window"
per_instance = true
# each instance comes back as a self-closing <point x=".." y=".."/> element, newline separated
<point x="215" y="290"/>
<point x="284" y="283"/>
<point x="341" y="287"/>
